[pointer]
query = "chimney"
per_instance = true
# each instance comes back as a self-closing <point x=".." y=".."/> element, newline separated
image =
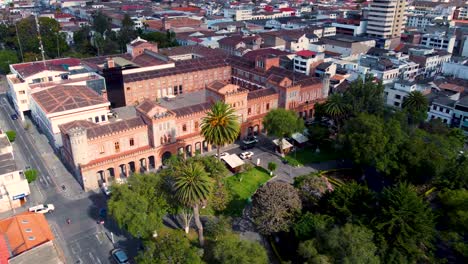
<point x="325" y="85"/>
<point x="110" y="63"/>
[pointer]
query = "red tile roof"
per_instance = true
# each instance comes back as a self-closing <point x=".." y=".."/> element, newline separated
<point x="30" y="68"/>
<point x="67" y="97"/>
<point x="25" y="231"/>
<point x="306" y="53"/>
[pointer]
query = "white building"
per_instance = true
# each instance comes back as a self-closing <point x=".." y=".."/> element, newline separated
<point x="442" y="108"/>
<point x="14" y="187"/>
<point x="30" y="77"/>
<point x="457" y="70"/>
<point x="396" y="93"/>
<point x="439" y="40"/>
<point x="238" y="14"/>
<point x="304" y="59"/>
<point x="420" y="20"/>
<point x="62" y="104"/>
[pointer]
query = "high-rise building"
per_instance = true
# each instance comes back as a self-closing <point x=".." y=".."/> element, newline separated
<point x="386" y="21"/>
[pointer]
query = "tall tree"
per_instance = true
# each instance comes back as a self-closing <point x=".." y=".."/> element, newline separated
<point x="336" y="108"/>
<point x="170" y="247"/>
<point x="101" y="23"/>
<point x="347" y="244"/>
<point x="220" y="126"/>
<point x="193" y="187"/>
<point x="416" y="105"/>
<point x="365" y="95"/>
<point x="275" y="205"/>
<point x="282" y="123"/>
<point x="373" y="142"/>
<point x="352" y="203"/>
<point x="139" y="206"/>
<point x="7" y="57"/>
<point x="404" y="225"/>
<point x="311" y="188"/>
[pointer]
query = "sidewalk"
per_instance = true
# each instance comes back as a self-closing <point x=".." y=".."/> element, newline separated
<point x="58" y="173"/>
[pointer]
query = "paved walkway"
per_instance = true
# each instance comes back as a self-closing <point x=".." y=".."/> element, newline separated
<point x="58" y="173"/>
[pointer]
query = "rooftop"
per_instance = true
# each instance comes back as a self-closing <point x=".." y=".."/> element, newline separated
<point x="30" y="68"/>
<point x="184" y="100"/>
<point x="25" y="231"/>
<point x="7" y="163"/>
<point x="63" y="98"/>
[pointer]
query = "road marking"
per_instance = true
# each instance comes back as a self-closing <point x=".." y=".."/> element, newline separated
<point x="94" y="258"/>
<point x="97" y="237"/>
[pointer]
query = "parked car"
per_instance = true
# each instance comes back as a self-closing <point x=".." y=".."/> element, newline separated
<point x="120" y="256"/>
<point x="105" y="189"/>
<point x="14" y="116"/>
<point x="246" y="155"/>
<point x="248" y="146"/>
<point x="42" y="208"/>
<point x="222" y="154"/>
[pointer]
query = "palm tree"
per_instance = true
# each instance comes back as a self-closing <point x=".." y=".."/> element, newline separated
<point x="221" y="125"/>
<point x="336" y="108"/>
<point x="416" y="105"/>
<point x="415" y="100"/>
<point x="192" y="188"/>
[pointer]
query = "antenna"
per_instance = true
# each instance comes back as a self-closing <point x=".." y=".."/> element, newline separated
<point x="19" y="43"/>
<point x="40" y="39"/>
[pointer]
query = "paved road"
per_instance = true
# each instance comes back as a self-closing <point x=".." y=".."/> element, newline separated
<point x="84" y="240"/>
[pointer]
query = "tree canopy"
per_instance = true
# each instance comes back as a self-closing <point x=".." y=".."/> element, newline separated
<point x="404" y="224"/>
<point x="7" y="57"/>
<point x="170" y="247"/>
<point x="275" y="205"/>
<point x="282" y="123"/>
<point x="138" y="206"/>
<point x="232" y="250"/>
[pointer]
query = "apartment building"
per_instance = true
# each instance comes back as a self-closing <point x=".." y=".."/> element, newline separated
<point x="439" y="40"/>
<point x="395" y="94"/>
<point x="430" y="60"/>
<point x="386" y="20"/>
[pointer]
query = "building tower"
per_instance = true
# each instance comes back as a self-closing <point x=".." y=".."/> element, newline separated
<point x="386" y="20"/>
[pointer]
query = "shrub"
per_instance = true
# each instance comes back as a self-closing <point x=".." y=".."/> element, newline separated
<point x="272" y="166"/>
<point x="11" y="135"/>
<point x="31" y="175"/>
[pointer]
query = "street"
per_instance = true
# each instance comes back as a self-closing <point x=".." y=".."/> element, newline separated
<point x="83" y="240"/>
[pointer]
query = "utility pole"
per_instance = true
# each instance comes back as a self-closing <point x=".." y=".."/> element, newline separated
<point x="41" y="47"/>
<point x="19" y="43"/>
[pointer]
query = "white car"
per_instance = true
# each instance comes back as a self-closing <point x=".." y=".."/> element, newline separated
<point x="42" y="208"/>
<point x="222" y="154"/>
<point x="246" y="155"/>
<point x="106" y="190"/>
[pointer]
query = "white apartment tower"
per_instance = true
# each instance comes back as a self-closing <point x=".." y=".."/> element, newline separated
<point x="386" y="19"/>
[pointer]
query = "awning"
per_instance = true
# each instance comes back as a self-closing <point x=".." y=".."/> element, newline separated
<point x="285" y="143"/>
<point x="233" y="161"/>
<point x="299" y="138"/>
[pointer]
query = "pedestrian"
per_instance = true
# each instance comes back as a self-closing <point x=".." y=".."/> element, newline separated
<point x="68" y="221"/>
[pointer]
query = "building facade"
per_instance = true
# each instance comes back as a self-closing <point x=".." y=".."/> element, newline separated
<point x="386" y="20"/>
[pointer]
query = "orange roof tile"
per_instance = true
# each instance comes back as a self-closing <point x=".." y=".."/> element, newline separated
<point x="25" y="231"/>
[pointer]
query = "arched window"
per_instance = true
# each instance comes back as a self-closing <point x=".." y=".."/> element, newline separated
<point x="117" y="146"/>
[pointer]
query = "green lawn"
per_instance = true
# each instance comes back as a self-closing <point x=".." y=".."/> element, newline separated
<point x="242" y="186"/>
<point x="308" y="155"/>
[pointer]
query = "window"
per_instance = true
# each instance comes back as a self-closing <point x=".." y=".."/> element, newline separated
<point x="103" y="118"/>
<point x="96" y="119"/>
<point x="434" y="107"/>
<point x="396" y="104"/>
<point x="397" y="96"/>
<point x="196" y="125"/>
<point x="132" y="142"/>
<point x="22" y="92"/>
<point x="24" y="101"/>
<point x="184" y="127"/>
<point x="101" y="149"/>
<point x="249" y="111"/>
<point x="268" y="106"/>
<point x="175" y="90"/>
<point x="128" y="88"/>
<point x="50" y="79"/>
